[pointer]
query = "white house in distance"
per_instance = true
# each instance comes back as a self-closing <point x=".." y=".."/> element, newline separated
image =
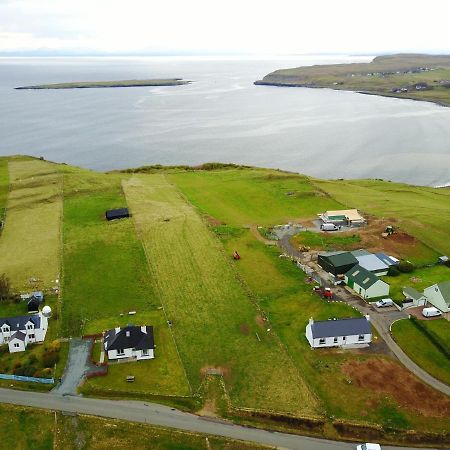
<point x="339" y="332"/>
<point x="365" y="283"/>
<point x="349" y="217"/>
<point x="20" y="331"/>
<point x="129" y="342"/>
<point x="439" y="296"/>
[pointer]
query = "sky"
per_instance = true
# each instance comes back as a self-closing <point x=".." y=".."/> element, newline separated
<point x="227" y="26"/>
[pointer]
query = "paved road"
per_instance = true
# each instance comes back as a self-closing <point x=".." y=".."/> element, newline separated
<point x="381" y="320"/>
<point x="160" y="415"/>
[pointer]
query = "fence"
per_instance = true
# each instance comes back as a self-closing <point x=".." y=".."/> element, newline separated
<point x="5" y="376"/>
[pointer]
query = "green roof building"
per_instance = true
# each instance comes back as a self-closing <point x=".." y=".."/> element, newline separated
<point x="365" y="283"/>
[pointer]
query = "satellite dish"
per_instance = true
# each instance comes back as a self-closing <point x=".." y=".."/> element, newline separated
<point x="47" y="311"/>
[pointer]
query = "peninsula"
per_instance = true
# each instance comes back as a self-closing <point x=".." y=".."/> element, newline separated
<point x="109" y="84"/>
<point x="412" y="76"/>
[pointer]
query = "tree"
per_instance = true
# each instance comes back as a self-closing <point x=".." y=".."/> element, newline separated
<point x="5" y="288"/>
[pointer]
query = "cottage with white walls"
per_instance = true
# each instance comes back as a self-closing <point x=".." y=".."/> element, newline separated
<point x="20" y="331"/>
<point x="339" y="332"/>
<point x="439" y="296"/>
<point x="365" y="283"/>
<point x="129" y="342"/>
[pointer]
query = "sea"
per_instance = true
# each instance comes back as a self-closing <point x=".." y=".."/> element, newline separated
<point x="220" y="117"/>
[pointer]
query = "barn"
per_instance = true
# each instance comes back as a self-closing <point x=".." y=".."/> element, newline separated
<point x="366" y="283"/>
<point x="336" y="263"/>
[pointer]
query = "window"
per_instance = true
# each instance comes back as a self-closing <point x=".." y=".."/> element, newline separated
<point x="31" y="336"/>
<point x="335" y="340"/>
<point x="361" y="337"/>
<point x="16" y="345"/>
<point x="145" y="352"/>
<point x="30" y="327"/>
<point x="120" y="352"/>
<point x="321" y="341"/>
<point x="344" y="338"/>
<point x="5" y="330"/>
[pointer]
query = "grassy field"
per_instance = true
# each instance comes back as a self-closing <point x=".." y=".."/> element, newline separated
<point x="421" y="211"/>
<point x="4" y="187"/>
<point x="30" y="242"/>
<point x="379" y="76"/>
<point x="421" y="350"/>
<point x="106" y="276"/>
<point x="419" y="279"/>
<point x="214" y="321"/>
<point x="327" y="241"/>
<point x="253" y="196"/>
<point x="441" y="328"/>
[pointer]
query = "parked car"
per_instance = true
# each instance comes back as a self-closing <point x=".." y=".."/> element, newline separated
<point x="431" y="312"/>
<point x="384" y="303"/>
<point x="368" y="446"/>
<point x="329" y="227"/>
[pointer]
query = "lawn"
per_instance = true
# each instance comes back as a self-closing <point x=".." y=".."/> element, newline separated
<point x="441" y="328"/>
<point x="214" y="321"/>
<point x="106" y="276"/>
<point x="30" y="244"/>
<point x="253" y="196"/>
<point x="419" y="279"/>
<point x="421" y="350"/>
<point x="421" y="211"/>
<point x="327" y="241"/>
<point x="4" y="187"/>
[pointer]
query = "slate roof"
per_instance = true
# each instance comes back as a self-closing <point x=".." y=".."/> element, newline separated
<point x="18" y="323"/>
<point x="340" y="327"/>
<point x="372" y="263"/>
<point x="412" y="293"/>
<point x="362" y="276"/>
<point x="445" y="290"/>
<point x="19" y="335"/>
<point x="117" y="213"/>
<point x="338" y="259"/>
<point x="33" y="304"/>
<point x="360" y="252"/>
<point x="388" y="260"/>
<point x="137" y="339"/>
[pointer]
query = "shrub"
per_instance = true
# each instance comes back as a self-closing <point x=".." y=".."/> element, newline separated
<point x="447" y="263"/>
<point x="393" y="271"/>
<point x="50" y="358"/>
<point x="406" y="266"/>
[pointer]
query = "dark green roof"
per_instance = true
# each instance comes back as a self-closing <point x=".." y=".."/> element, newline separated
<point x="445" y="290"/>
<point x="362" y="276"/>
<point x="341" y="259"/>
<point x="412" y="293"/>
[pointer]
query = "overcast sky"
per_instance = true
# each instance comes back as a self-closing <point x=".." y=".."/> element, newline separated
<point x="230" y="26"/>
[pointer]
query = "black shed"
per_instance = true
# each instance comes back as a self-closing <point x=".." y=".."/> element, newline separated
<point x="33" y="305"/>
<point x="120" y="213"/>
<point x="337" y="263"/>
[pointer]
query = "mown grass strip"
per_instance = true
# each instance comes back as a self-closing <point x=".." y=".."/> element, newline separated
<point x="215" y="324"/>
<point x="30" y="243"/>
<point x="4" y="187"/>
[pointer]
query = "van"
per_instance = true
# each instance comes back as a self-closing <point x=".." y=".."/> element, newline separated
<point x="329" y="227"/>
<point x="384" y="303"/>
<point x="431" y="312"/>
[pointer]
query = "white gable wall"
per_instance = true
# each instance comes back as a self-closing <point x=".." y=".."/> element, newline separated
<point x="435" y="297"/>
<point x="336" y="341"/>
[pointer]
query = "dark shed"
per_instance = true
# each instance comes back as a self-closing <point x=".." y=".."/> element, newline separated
<point x="33" y="305"/>
<point x="337" y="263"/>
<point x="120" y="213"/>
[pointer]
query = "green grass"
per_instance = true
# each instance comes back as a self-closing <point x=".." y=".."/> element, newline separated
<point x="4" y="187"/>
<point x="30" y="242"/>
<point x="26" y="428"/>
<point x="419" y="280"/>
<point x="106" y="276"/>
<point x="253" y="196"/>
<point x="421" y="211"/>
<point x="326" y="241"/>
<point x="441" y="328"/>
<point x="214" y="322"/>
<point x="421" y="350"/>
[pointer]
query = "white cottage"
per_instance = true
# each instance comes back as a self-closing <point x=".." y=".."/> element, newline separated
<point x="439" y="296"/>
<point x="129" y="342"/>
<point x="20" y="331"/>
<point x="339" y="332"/>
<point x="365" y="283"/>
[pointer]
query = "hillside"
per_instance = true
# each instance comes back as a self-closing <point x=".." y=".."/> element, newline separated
<point x="417" y="77"/>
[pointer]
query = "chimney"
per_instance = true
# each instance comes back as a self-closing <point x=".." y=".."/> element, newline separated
<point x="368" y="317"/>
<point x="127" y="333"/>
<point x="311" y="320"/>
<point x="144" y="329"/>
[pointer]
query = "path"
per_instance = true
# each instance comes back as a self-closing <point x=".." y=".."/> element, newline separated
<point x="77" y="366"/>
<point x="381" y="320"/>
<point x="160" y="415"/>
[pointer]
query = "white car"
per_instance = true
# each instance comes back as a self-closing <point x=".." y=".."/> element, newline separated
<point x="384" y="303"/>
<point x="368" y="446"/>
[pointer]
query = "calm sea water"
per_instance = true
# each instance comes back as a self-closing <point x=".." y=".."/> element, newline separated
<point x="222" y="116"/>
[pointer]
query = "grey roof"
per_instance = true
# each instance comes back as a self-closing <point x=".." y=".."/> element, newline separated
<point x="362" y="276"/>
<point x="412" y="293"/>
<point x="18" y="323"/>
<point x="371" y="262"/>
<point x="19" y="335"/>
<point x="360" y="252"/>
<point x="388" y="260"/>
<point x="340" y="327"/>
<point x="136" y="339"/>
<point x="445" y="290"/>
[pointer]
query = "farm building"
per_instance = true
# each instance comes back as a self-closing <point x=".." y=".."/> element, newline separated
<point x="365" y="283"/>
<point x="19" y="331"/>
<point x="439" y="296"/>
<point x="336" y="263"/>
<point x="129" y="342"/>
<point x="373" y="264"/>
<point x="349" y="217"/>
<point x="387" y="259"/>
<point x="114" y="214"/>
<point x="339" y="332"/>
<point x="33" y="305"/>
<point x="417" y="297"/>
